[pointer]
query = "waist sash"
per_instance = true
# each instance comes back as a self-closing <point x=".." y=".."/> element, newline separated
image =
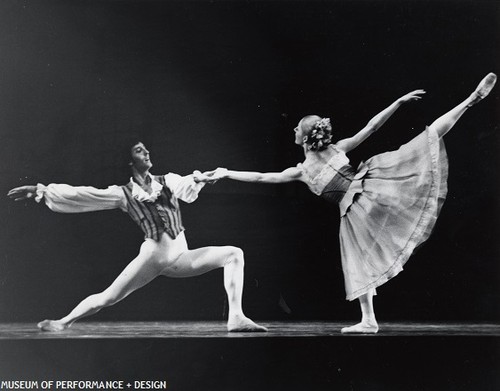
<point x="344" y="186"/>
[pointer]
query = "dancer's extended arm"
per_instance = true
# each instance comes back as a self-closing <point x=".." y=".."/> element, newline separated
<point x="376" y="122"/>
<point x="289" y="175"/>
<point x="72" y="199"/>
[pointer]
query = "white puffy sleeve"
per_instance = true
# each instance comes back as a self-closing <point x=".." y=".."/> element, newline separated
<point x="183" y="187"/>
<point x="77" y="199"/>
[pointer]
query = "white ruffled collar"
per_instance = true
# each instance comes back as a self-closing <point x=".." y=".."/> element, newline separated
<point x="141" y="195"/>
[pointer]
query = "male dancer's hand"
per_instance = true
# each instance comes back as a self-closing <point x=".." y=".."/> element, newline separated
<point x="220" y="173"/>
<point x="22" y="193"/>
<point x="206" y="177"/>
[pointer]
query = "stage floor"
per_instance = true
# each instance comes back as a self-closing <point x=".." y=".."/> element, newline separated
<point x="292" y="356"/>
<point x="213" y="329"/>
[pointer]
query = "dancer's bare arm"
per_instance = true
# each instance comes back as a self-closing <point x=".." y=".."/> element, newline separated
<point x="376" y="122"/>
<point x="289" y="175"/>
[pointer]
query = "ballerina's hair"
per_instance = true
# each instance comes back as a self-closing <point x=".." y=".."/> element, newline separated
<point x="319" y="134"/>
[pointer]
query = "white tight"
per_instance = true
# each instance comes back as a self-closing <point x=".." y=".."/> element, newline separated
<point x="152" y="262"/>
<point x="444" y="123"/>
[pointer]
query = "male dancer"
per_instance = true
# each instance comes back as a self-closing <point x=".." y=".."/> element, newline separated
<point x="152" y="202"/>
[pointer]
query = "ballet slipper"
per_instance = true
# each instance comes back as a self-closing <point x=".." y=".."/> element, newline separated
<point x="242" y="324"/>
<point x="52" y="325"/>
<point x="361" y="328"/>
<point x="483" y="89"/>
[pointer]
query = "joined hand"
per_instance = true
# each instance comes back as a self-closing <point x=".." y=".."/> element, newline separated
<point x="209" y="176"/>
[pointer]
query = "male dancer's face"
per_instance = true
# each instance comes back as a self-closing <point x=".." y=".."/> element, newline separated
<point x="140" y="157"/>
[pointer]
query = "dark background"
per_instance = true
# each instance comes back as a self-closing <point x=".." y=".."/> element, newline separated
<point x="210" y="84"/>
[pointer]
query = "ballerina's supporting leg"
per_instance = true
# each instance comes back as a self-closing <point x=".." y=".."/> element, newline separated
<point x="444" y="123"/>
<point x="368" y="324"/>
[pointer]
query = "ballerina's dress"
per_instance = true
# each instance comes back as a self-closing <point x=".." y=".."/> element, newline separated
<point x="388" y="207"/>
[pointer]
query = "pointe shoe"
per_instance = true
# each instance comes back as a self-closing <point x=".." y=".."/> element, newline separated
<point x="483" y="88"/>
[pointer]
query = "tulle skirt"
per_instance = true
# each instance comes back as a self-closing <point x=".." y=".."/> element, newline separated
<point x="391" y="208"/>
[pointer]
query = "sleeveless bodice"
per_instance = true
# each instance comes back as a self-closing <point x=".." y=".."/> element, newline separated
<point x="337" y="181"/>
<point x="327" y="172"/>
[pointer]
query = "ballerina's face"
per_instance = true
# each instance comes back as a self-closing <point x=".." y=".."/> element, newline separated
<point x="140" y="157"/>
<point x="304" y="127"/>
<point x="299" y="134"/>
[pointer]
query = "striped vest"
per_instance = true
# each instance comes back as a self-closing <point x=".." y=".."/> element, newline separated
<point x="154" y="218"/>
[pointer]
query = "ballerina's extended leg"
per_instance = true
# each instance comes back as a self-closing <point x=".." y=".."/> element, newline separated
<point x="444" y="123"/>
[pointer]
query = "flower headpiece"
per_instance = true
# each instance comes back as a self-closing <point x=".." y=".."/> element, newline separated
<point x="320" y="136"/>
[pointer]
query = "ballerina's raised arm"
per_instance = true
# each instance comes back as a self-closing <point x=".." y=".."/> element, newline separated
<point x="348" y="144"/>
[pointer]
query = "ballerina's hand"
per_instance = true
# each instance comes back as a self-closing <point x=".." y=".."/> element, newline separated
<point x="411" y="96"/>
<point x="22" y="193"/>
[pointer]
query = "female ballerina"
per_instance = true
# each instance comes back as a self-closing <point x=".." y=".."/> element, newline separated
<point x="152" y="202"/>
<point x="388" y="206"/>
